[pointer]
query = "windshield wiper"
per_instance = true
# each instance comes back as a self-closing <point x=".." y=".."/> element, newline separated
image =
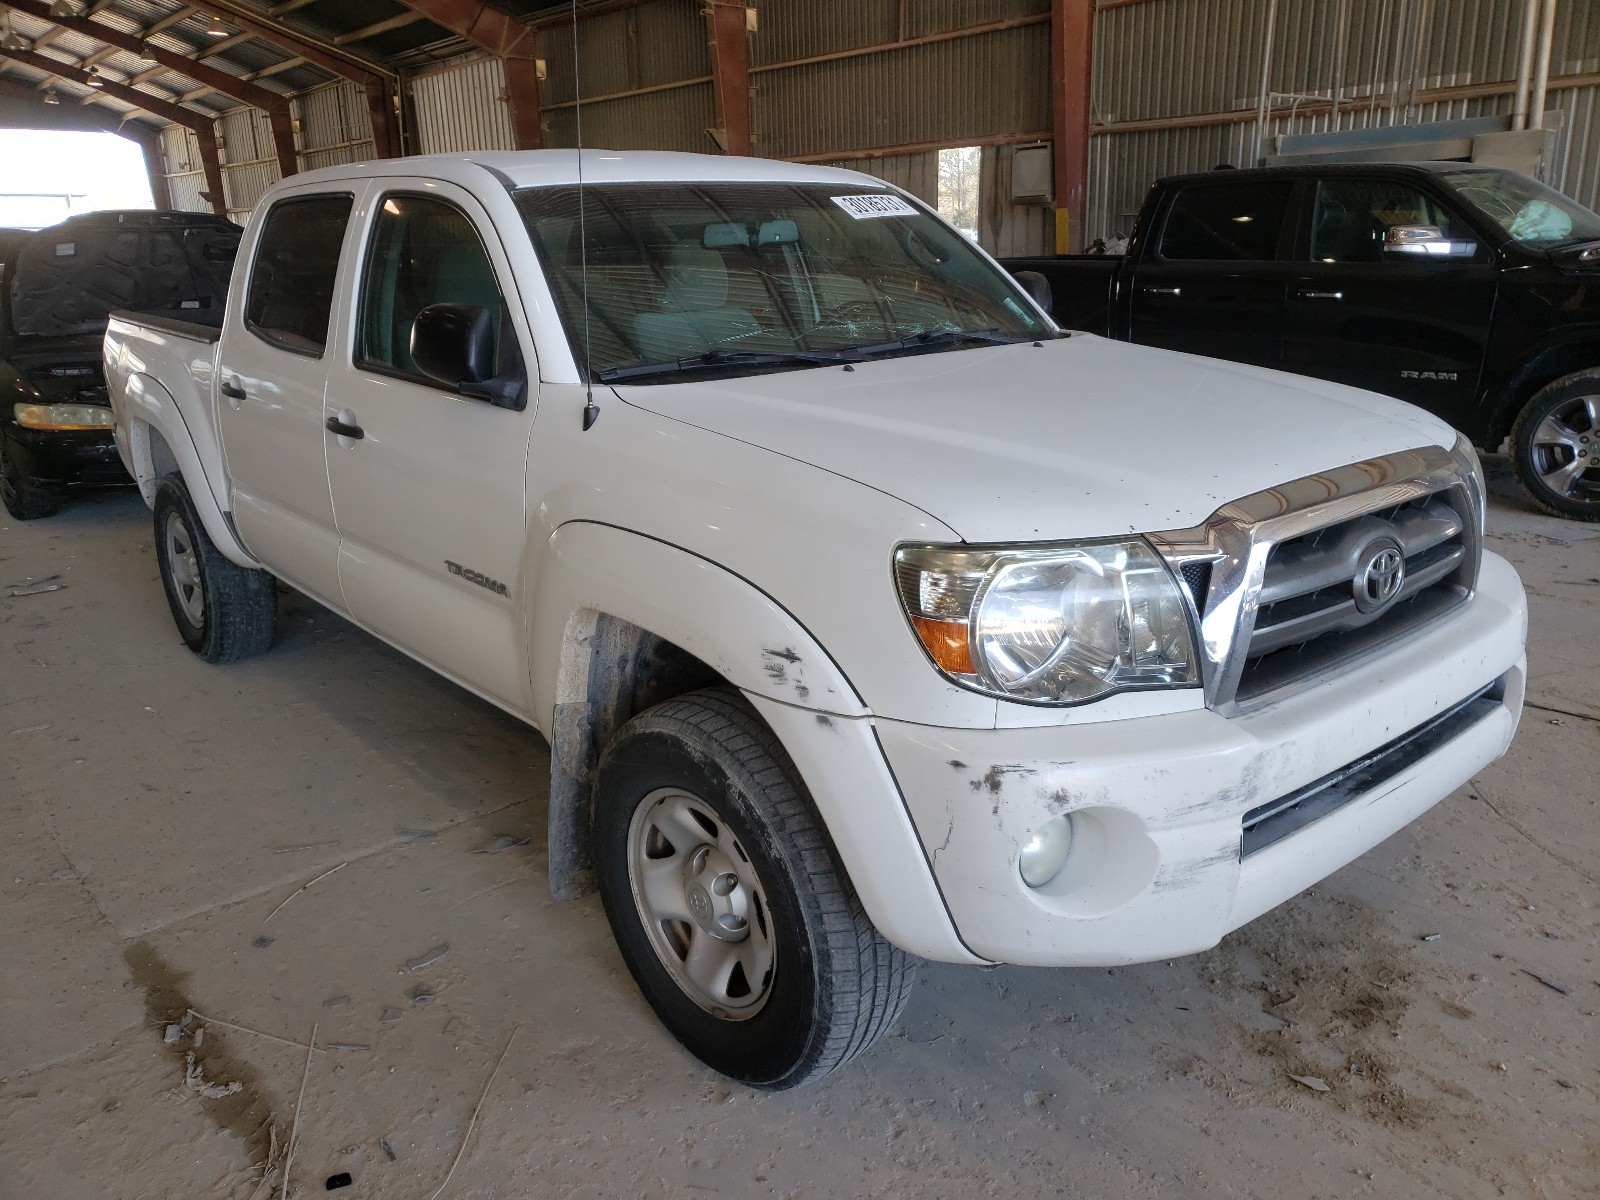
<point x="726" y="358"/>
<point x="940" y="337"/>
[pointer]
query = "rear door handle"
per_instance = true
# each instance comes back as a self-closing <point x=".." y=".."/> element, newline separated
<point x="233" y="389"/>
<point x="1321" y="295"/>
<point x="354" y="432"/>
<point x="1163" y="291"/>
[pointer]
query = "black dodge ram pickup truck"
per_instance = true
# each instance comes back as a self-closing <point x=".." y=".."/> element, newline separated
<point x="57" y="287"/>
<point x="1471" y="291"/>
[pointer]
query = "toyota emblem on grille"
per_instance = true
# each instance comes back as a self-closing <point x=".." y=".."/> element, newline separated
<point x="1381" y="572"/>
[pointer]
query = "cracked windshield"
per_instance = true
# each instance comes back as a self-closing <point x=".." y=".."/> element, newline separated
<point x="731" y="278"/>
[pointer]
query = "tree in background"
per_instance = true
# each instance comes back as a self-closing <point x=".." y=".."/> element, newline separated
<point x="960" y="171"/>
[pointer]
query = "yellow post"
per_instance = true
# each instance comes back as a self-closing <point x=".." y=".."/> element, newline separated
<point x="1063" y="232"/>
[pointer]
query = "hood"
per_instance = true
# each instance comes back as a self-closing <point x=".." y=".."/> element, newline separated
<point x="67" y="279"/>
<point x="1079" y="437"/>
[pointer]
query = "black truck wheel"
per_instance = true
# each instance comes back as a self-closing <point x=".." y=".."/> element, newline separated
<point x="225" y="612"/>
<point x="24" y="499"/>
<point x="1555" y="447"/>
<point x="728" y="902"/>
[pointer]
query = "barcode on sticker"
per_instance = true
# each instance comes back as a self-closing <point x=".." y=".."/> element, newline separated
<point x="879" y="205"/>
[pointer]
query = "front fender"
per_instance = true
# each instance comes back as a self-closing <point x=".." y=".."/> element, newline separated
<point x="154" y="439"/>
<point x="590" y="569"/>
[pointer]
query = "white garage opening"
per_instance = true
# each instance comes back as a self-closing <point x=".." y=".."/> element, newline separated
<point x="57" y="174"/>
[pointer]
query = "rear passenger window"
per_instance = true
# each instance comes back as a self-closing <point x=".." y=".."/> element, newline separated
<point x="1236" y="222"/>
<point x="297" y="261"/>
<point x="423" y="251"/>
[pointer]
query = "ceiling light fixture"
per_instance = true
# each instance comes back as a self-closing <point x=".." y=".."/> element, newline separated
<point x="63" y="8"/>
<point x="94" y="78"/>
<point x="215" y="28"/>
<point x="50" y="96"/>
<point x="9" y="40"/>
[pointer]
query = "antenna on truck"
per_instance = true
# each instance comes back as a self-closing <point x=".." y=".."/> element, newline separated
<point x="591" y="410"/>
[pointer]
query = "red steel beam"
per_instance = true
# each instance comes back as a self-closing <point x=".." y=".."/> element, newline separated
<point x="730" y="73"/>
<point x="275" y="106"/>
<point x="1071" y="73"/>
<point x="202" y="127"/>
<point x="508" y="39"/>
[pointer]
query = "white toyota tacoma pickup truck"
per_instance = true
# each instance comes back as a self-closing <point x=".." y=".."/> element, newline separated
<point x="869" y="617"/>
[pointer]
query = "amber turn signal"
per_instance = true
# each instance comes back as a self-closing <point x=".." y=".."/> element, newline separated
<point x="946" y="642"/>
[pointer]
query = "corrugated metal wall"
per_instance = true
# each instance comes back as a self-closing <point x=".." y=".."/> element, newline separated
<point x="462" y="107"/>
<point x="249" y="166"/>
<point x="335" y="126"/>
<point x="1191" y="69"/>
<point x="820" y="90"/>
<point x="646" y="80"/>
<point x="180" y="163"/>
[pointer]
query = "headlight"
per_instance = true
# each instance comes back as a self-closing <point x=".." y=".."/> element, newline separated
<point x="64" y="416"/>
<point x="1049" y="625"/>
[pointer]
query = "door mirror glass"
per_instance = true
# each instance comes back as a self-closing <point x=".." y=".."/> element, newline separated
<point x="1425" y="241"/>
<point x="454" y="344"/>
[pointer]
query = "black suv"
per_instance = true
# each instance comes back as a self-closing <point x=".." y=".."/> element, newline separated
<point x="57" y="287"/>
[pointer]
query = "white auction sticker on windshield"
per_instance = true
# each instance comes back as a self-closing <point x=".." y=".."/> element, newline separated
<point x="875" y="205"/>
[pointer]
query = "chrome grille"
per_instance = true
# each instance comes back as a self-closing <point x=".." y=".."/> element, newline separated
<point x="1292" y="582"/>
<point x="1309" y="612"/>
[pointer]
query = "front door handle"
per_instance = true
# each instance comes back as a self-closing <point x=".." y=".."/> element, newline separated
<point x="1163" y="291"/>
<point x="345" y="430"/>
<point x="1321" y="295"/>
<point x="233" y="390"/>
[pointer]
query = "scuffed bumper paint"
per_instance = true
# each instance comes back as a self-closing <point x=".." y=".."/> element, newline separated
<point x="1156" y="871"/>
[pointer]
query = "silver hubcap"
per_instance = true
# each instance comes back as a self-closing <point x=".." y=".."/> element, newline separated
<point x="701" y="903"/>
<point x="1566" y="449"/>
<point x="185" y="570"/>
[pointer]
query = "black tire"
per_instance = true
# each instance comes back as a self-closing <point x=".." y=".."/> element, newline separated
<point x="24" y="499"/>
<point x="1555" y="447"/>
<point x="836" y="985"/>
<point x="225" y="612"/>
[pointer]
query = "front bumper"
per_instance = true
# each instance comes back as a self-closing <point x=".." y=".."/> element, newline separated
<point x="66" y="458"/>
<point x="1159" y="803"/>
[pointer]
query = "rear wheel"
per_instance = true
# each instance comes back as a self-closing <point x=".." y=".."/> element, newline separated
<point x="225" y="612"/>
<point x="728" y="902"/>
<point x="1555" y="447"/>
<point x="24" y="499"/>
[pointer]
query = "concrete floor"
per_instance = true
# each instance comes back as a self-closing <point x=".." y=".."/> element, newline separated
<point x="155" y="812"/>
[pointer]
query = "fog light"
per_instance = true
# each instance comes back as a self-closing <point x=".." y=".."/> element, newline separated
<point x="1046" y="852"/>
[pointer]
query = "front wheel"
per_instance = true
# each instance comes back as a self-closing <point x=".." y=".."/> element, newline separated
<point x="24" y="499"/>
<point x="1555" y="447"/>
<point x="728" y="902"/>
<point x="225" y="612"/>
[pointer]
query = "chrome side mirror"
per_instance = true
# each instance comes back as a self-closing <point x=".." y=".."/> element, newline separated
<point x="1426" y="240"/>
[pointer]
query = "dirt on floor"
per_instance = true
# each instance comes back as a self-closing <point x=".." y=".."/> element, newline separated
<point x="203" y="868"/>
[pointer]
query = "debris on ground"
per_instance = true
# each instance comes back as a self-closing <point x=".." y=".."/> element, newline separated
<point x="503" y="842"/>
<point x="341" y="1180"/>
<point x="172" y="1034"/>
<point x="305" y="846"/>
<point x="388" y="1150"/>
<point x="28" y="729"/>
<point x="420" y="994"/>
<point x="415" y="835"/>
<point x="452" y="1026"/>
<point x="1033" y="1099"/>
<point x="261" y="943"/>
<point x="1432" y="937"/>
<point x="302" y="888"/>
<point x="429" y="957"/>
<point x="1549" y="983"/>
<point x="1312" y="1082"/>
<point x="36" y="590"/>
<point x="195" y="1081"/>
<point x="336" y="1002"/>
<point x="391" y="1014"/>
